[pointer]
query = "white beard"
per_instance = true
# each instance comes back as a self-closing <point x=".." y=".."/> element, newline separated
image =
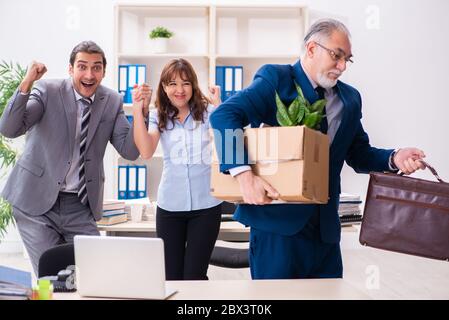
<point x="326" y="82"/>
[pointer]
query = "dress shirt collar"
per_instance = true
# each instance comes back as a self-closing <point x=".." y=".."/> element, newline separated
<point x="79" y="97"/>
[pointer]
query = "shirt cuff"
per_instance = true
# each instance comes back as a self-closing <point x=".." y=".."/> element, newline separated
<point x="238" y="170"/>
<point x="391" y="164"/>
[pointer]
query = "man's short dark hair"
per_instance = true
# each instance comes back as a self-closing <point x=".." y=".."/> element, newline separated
<point x="87" y="47"/>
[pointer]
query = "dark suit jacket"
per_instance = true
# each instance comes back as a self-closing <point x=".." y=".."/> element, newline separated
<point x="256" y="104"/>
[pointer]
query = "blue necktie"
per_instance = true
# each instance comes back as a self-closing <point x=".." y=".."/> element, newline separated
<point x="323" y="124"/>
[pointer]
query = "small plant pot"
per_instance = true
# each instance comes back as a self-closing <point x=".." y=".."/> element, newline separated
<point x="160" y="45"/>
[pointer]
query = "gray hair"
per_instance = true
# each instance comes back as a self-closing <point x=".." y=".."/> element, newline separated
<point x="87" y="47"/>
<point x="322" y="29"/>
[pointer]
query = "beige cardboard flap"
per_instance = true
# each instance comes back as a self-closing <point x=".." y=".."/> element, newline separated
<point x="274" y="143"/>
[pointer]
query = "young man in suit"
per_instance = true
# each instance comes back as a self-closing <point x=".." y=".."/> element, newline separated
<point x="293" y="240"/>
<point x="56" y="187"/>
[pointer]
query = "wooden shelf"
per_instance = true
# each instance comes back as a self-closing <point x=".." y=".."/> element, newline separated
<point x="260" y="56"/>
<point x="160" y="55"/>
<point x="207" y="35"/>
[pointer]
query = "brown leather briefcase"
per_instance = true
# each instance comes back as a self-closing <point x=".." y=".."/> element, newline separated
<point x="407" y="215"/>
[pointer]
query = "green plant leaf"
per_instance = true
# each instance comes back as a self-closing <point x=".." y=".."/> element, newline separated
<point x="281" y="120"/>
<point x="6" y="216"/>
<point x="318" y="106"/>
<point x="306" y="113"/>
<point x="312" y="120"/>
<point x="7" y="154"/>
<point x="293" y="111"/>
<point x="301" y="113"/>
<point x="300" y="93"/>
<point x="160" y="32"/>
<point x="282" y="113"/>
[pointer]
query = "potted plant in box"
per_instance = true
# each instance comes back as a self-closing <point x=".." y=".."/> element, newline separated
<point x="300" y="112"/>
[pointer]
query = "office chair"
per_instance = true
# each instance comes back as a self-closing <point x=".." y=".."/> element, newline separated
<point x="226" y="257"/>
<point x="56" y="259"/>
<point x="233" y="258"/>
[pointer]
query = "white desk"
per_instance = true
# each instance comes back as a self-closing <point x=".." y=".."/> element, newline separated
<point x="314" y="289"/>
<point x="229" y="230"/>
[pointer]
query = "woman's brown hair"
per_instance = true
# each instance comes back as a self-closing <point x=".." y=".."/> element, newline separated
<point x="198" y="103"/>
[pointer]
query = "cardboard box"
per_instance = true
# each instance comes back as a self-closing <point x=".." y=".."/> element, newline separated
<point x="294" y="160"/>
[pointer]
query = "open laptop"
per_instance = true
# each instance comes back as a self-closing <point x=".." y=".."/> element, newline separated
<point x="120" y="267"/>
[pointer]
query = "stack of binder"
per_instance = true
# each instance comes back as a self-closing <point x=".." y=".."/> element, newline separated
<point x="113" y="213"/>
<point x="132" y="182"/>
<point x="230" y="80"/>
<point x="128" y="76"/>
<point x="349" y="209"/>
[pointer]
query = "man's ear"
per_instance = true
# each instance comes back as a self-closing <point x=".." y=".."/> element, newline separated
<point x="310" y="49"/>
<point x="70" y="70"/>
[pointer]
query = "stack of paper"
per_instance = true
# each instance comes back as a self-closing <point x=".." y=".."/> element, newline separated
<point x="349" y="209"/>
<point x="14" y="284"/>
<point x="113" y="213"/>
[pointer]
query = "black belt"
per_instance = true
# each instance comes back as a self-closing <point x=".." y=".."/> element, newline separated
<point x="65" y="193"/>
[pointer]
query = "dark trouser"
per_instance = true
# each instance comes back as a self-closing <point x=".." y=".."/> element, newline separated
<point x="189" y="238"/>
<point x="303" y="255"/>
<point x="68" y="217"/>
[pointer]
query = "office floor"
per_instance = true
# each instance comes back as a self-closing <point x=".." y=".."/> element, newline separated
<point x="379" y="274"/>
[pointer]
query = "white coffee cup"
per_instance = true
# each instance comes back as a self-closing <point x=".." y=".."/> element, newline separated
<point x="136" y="212"/>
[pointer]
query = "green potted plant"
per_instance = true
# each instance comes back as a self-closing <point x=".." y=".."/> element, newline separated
<point x="11" y="75"/>
<point x="160" y="36"/>
<point x="300" y="112"/>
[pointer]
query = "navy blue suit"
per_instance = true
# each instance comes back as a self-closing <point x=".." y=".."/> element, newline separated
<point x="255" y="105"/>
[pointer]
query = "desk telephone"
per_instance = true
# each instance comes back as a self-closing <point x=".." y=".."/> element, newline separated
<point x="64" y="281"/>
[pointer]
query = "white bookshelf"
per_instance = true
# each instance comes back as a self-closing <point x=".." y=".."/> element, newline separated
<point x="208" y="36"/>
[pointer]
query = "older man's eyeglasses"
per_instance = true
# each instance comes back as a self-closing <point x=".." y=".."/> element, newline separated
<point x="336" y="56"/>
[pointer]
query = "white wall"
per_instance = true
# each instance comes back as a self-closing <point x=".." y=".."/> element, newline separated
<point x="400" y="50"/>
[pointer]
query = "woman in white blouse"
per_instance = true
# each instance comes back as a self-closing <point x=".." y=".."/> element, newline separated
<point x="187" y="217"/>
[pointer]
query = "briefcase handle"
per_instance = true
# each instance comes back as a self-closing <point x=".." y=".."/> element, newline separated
<point x="428" y="166"/>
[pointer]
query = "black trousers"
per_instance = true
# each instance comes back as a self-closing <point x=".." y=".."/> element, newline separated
<point x="189" y="238"/>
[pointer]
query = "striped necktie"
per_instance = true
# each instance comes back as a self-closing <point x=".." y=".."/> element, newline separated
<point x="323" y="124"/>
<point x="82" y="191"/>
